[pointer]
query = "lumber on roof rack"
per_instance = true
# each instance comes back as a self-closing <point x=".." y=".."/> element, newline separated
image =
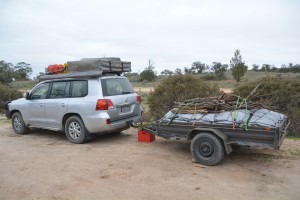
<point x="92" y="67"/>
<point x="107" y="65"/>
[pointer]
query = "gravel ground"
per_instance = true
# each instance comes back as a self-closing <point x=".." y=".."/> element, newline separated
<point x="44" y="165"/>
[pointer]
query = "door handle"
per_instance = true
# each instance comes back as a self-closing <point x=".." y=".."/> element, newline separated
<point x="40" y="105"/>
<point x="62" y="104"/>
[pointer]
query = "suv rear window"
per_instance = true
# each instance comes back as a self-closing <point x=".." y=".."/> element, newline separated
<point x="116" y="86"/>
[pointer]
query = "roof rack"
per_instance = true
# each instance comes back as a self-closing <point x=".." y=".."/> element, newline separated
<point x="87" y="74"/>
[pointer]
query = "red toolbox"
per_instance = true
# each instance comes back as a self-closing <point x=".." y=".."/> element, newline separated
<point x="144" y="136"/>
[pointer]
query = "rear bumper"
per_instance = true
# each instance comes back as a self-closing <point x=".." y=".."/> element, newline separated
<point x="98" y="123"/>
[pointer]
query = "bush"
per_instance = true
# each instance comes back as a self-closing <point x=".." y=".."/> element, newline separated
<point x="279" y="92"/>
<point x="178" y="88"/>
<point x="8" y="94"/>
<point x="209" y="77"/>
<point x="132" y="77"/>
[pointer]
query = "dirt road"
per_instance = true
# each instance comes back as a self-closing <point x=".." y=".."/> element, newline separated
<point x="44" y="165"/>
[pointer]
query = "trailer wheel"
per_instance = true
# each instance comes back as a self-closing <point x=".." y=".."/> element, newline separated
<point x="18" y="124"/>
<point x="207" y="149"/>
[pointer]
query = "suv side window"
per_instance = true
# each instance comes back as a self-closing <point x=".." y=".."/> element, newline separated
<point x="40" y="92"/>
<point x="79" y="88"/>
<point x="60" y="90"/>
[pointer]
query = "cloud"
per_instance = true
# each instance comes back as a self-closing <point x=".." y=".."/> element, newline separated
<point x="171" y="33"/>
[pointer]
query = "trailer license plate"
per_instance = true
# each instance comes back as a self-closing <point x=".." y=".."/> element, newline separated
<point x="125" y="109"/>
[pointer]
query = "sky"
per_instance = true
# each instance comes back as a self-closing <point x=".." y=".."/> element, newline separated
<point x="172" y="33"/>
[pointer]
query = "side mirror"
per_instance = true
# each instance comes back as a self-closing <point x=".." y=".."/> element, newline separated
<point x="27" y="96"/>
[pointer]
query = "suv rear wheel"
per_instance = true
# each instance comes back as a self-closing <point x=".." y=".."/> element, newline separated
<point x="75" y="130"/>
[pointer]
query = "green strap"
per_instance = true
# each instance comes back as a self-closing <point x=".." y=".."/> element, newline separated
<point x="179" y="111"/>
<point x="235" y="113"/>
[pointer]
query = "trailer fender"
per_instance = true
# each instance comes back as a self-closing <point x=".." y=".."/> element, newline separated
<point x="216" y="132"/>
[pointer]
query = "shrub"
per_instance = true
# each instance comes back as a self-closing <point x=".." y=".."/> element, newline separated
<point x="279" y="92"/>
<point x="178" y="88"/>
<point x="7" y="94"/>
<point x="209" y="77"/>
<point x="132" y="77"/>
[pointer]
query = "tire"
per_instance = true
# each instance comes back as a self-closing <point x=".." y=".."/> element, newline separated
<point x="207" y="149"/>
<point x="75" y="130"/>
<point x="18" y="124"/>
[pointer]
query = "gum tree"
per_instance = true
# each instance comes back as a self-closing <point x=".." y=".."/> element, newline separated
<point x="238" y="67"/>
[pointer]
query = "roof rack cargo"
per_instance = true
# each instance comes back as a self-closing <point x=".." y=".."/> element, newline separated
<point x="92" y="67"/>
<point x="108" y="65"/>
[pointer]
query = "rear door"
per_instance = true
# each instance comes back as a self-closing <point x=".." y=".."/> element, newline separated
<point x="120" y="91"/>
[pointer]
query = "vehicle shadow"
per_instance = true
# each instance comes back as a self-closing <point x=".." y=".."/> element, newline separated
<point x="60" y="136"/>
<point x="111" y="137"/>
<point x="244" y="154"/>
<point x="37" y="132"/>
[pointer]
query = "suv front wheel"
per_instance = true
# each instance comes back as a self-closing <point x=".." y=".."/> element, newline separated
<point x="18" y="124"/>
<point x="75" y="130"/>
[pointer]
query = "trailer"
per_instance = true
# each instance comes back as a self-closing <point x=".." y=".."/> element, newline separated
<point x="211" y="139"/>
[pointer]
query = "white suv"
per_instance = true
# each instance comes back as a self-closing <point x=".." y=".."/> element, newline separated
<point x="79" y="107"/>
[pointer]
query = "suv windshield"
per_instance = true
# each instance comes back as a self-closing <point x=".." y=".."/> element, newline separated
<point x="116" y="86"/>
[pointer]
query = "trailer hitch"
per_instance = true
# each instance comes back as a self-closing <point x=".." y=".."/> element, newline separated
<point x="134" y="125"/>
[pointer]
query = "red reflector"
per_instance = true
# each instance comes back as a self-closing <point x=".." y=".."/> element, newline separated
<point x="107" y="121"/>
<point x="139" y="98"/>
<point x="104" y="104"/>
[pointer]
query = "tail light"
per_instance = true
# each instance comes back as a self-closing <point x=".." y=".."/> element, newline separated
<point x="104" y="104"/>
<point x="139" y="99"/>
